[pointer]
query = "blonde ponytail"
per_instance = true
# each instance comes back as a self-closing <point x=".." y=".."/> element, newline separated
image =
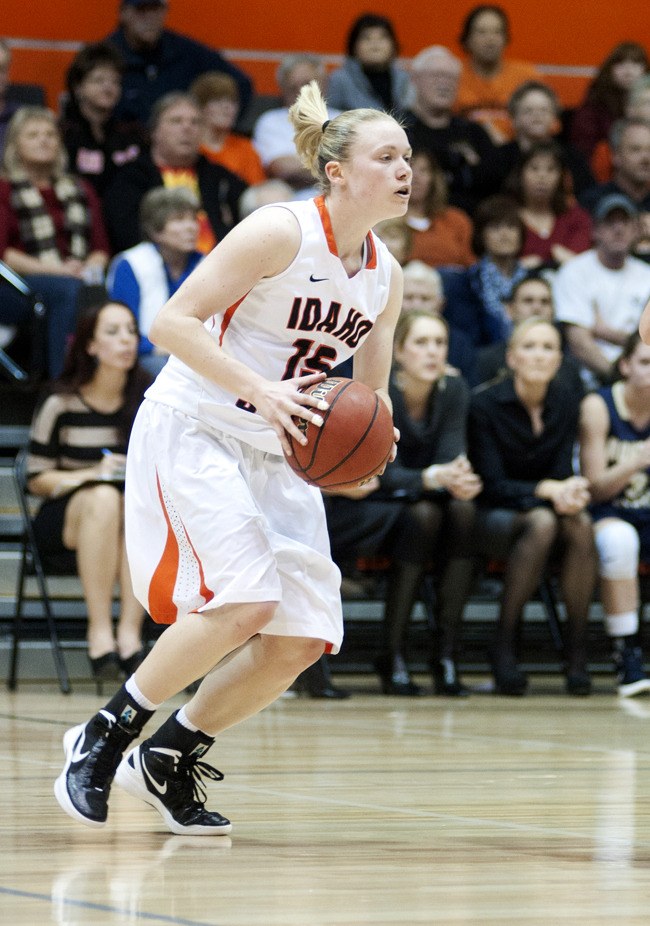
<point x="308" y="114"/>
<point x="319" y="140"/>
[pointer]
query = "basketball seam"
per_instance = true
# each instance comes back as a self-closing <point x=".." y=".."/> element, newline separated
<point x="354" y="449"/>
<point x="305" y="469"/>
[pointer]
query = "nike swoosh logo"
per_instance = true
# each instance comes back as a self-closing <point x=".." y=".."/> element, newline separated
<point x="313" y="279"/>
<point x="77" y="755"/>
<point x="161" y="789"/>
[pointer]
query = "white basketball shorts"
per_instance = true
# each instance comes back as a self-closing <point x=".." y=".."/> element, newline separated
<point x="212" y="521"/>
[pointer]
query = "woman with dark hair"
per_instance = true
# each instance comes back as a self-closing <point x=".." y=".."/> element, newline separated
<point x="441" y="233"/>
<point x="536" y="113"/>
<point x="521" y="435"/>
<point x="557" y="228"/>
<point x="76" y="464"/>
<point x="420" y="511"/>
<point x="607" y="95"/>
<point x="476" y="296"/>
<point x="369" y="76"/>
<point x="96" y="142"/>
<point x="488" y="79"/>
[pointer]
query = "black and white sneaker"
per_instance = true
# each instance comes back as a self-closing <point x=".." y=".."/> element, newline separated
<point x="93" y="751"/>
<point x="172" y="782"/>
<point x="631" y="678"/>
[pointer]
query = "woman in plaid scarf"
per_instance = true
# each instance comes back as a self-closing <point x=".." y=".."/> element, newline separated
<point x="51" y="229"/>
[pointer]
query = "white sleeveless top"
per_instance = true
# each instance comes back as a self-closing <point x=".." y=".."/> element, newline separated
<point x="308" y="318"/>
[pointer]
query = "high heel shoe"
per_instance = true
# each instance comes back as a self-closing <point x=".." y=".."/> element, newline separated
<point x="446" y="680"/>
<point x="578" y="682"/>
<point x="316" y="682"/>
<point x="131" y="663"/>
<point x="395" y="678"/>
<point x="105" y="668"/>
<point x="508" y="677"/>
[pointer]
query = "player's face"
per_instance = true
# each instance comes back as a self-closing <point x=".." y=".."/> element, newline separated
<point x="535" y="355"/>
<point x="636" y="369"/>
<point x="423" y="355"/>
<point x="378" y="173"/>
<point x="115" y="341"/>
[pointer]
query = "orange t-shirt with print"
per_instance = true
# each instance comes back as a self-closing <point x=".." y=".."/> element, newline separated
<point x="485" y="99"/>
<point x="174" y="177"/>
<point x="238" y="155"/>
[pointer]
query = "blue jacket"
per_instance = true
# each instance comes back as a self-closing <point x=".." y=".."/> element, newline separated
<point x="349" y="88"/>
<point x="172" y="65"/>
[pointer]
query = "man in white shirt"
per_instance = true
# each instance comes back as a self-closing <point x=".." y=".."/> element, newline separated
<point x="600" y="294"/>
<point x="273" y="131"/>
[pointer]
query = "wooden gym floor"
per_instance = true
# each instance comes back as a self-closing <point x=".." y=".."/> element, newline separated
<point x="375" y="810"/>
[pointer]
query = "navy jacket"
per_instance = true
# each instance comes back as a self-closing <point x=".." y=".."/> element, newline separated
<point x="172" y="65"/>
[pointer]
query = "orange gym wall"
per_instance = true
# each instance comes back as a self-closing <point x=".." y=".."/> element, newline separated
<point x="558" y="33"/>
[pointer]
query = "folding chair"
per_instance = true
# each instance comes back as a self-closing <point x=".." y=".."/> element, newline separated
<point x="33" y="564"/>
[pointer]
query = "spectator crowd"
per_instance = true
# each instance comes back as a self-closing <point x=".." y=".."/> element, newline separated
<point x="520" y="385"/>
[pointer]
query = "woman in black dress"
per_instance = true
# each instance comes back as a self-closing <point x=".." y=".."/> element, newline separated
<point x="420" y="512"/>
<point x="522" y="431"/>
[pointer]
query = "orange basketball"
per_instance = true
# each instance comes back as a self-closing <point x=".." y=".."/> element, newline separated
<point x="354" y="442"/>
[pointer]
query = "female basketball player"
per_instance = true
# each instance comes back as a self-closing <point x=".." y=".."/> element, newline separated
<point x="223" y="539"/>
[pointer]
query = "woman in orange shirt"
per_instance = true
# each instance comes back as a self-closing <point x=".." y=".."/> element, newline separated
<point x="488" y="80"/>
<point x="441" y="233"/>
<point x="218" y="98"/>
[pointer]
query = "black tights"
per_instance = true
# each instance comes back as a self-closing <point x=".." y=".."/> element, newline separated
<point x="533" y="536"/>
<point x="417" y="540"/>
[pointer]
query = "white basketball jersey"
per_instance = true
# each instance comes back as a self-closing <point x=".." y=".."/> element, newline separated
<point x="308" y="318"/>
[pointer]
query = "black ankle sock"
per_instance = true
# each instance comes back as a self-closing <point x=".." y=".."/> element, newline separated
<point x="127" y="710"/>
<point x="174" y="735"/>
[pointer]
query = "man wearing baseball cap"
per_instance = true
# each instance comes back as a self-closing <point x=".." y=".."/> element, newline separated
<point x="600" y="294"/>
<point x="159" y="60"/>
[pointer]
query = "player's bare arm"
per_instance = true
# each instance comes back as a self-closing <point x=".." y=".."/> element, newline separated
<point x="261" y="246"/>
<point x="373" y="360"/>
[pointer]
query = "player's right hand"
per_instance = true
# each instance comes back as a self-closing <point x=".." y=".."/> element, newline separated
<point x="279" y="403"/>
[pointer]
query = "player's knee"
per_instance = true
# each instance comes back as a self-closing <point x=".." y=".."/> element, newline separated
<point x="294" y="654"/>
<point x="617" y="543"/>
<point x="257" y="616"/>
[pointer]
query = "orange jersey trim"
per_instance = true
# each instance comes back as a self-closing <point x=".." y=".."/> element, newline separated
<point x="227" y="316"/>
<point x="163" y="581"/>
<point x="161" y="589"/>
<point x="371" y="251"/>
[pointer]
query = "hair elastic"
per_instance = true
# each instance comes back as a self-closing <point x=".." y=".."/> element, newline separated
<point x="324" y="125"/>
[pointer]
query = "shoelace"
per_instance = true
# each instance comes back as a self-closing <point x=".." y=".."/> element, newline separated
<point x="194" y="772"/>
